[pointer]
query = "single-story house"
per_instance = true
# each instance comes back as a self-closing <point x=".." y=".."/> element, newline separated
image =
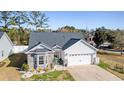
<point x="6" y="46"/>
<point x="63" y="48"/>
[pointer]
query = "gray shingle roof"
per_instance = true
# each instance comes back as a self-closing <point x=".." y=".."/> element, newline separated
<point x="52" y="38"/>
<point x="1" y="34"/>
<point x="70" y="42"/>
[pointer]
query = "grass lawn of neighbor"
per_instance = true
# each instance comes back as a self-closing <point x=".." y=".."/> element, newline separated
<point x="113" y="63"/>
<point x="8" y="67"/>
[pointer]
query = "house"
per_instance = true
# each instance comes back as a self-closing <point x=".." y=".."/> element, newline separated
<point x="6" y="46"/>
<point x="69" y="49"/>
<point x="105" y="45"/>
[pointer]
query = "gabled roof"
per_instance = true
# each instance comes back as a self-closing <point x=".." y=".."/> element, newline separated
<point x="4" y="33"/>
<point x="41" y="50"/>
<point x="39" y="47"/>
<point x="1" y="34"/>
<point x="52" y="38"/>
<point x="70" y="42"/>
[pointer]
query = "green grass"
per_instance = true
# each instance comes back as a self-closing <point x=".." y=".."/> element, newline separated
<point x="54" y="76"/>
<point x="103" y="65"/>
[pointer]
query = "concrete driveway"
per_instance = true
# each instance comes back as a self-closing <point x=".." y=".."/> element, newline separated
<point x="91" y="73"/>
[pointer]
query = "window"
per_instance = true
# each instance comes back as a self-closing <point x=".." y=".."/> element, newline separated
<point x="41" y="60"/>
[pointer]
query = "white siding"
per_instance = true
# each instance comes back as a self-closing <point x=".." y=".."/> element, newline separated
<point x="6" y="47"/>
<point x="30" y="61"/>
<point x="79" y="53"/>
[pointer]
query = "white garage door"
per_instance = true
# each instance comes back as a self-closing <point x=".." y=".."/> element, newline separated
<point x="78" y="59"/>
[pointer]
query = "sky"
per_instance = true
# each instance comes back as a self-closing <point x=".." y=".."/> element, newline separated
<point x="86" y="19"/>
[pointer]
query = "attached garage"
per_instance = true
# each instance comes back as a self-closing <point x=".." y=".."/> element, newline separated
<point x="78" y="59"/>
<point x="80" y="53"/>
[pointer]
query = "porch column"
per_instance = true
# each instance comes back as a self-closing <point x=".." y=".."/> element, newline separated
<point x="37" y="60"/>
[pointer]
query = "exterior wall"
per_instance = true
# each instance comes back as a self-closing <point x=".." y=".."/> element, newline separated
<point x="80" y="48"/>
<point x="20" y="49"/>
<point x="48" y="58"/>
<point x="6" y="47"/>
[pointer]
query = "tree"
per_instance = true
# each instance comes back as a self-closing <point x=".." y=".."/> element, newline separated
<point x="5" y="20"/>
<point x="111" y="36"/>
<point x="119" y="41"/>
<point x="19" y="19"/>
<point x="100" y="36"/>
<point x="38" y="20"/>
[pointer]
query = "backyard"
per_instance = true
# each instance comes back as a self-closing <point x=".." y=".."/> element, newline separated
<point x="113" y="63"/>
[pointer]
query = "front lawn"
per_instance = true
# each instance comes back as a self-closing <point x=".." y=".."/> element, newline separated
<point x="53" y="76"/>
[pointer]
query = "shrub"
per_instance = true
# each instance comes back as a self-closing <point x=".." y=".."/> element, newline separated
<point x="47" y="69"/>
<point x="25" y="67"/>
<point x="32" y="69"/>
<point x="39" y="69"/>
<point x="119" y="68"/>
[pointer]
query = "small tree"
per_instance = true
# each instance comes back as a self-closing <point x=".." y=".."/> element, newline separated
<point x="100" y="36"/>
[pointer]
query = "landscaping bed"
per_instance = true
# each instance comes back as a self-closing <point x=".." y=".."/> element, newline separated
<point x="63" y="75"/>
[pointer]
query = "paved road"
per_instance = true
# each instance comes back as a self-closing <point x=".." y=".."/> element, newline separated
<point x="91" y="73"/>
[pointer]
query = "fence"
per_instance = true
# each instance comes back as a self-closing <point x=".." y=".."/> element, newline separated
<point x="20" y="49"/>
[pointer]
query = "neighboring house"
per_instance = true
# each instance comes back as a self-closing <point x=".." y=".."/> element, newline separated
<point x="6" y="46"/>
<point x="105" y="45"/>
<point x="59" y="48"/>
